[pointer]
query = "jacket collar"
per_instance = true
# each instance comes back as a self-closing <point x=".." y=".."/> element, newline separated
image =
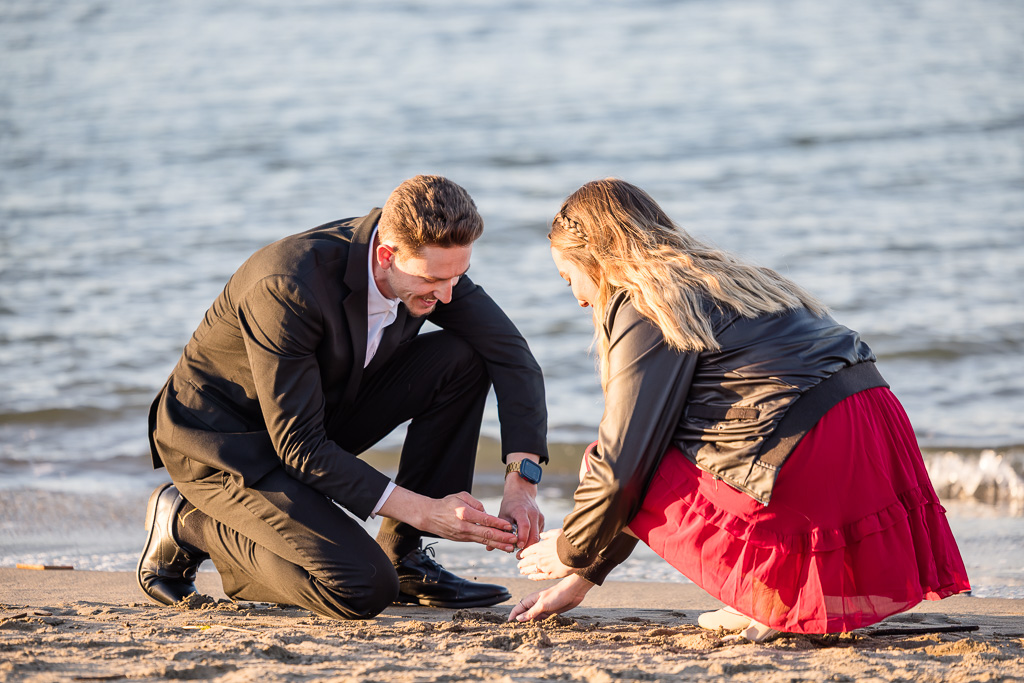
<point x="354" y="304"/>
<point x="356" y="278"/>
<point x="359" y="252"/>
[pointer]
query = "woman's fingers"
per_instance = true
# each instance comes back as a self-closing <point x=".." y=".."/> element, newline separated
<point x="536" y="611"/>
<point x="541" y="608"/>
<point x="540" y="560"/>
<point x="523" y="606"/>
<point x="527" y="565"/>
<point x="560" y="598"/>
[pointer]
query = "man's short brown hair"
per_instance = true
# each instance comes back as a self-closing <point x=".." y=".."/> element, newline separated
<point x="429" y="210"/>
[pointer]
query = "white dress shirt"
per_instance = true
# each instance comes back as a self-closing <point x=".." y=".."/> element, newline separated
<point x="380" y="312"/>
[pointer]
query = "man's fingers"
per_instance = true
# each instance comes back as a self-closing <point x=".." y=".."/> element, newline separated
<point x="526" y="519"/>
<point x="469" y="500"/>
<point x="490" y="537"/>
<point x="475" y="525"/>
<point x="482" y="518"/>
<point x="523" y="530"/>
<point x="500" y="545"/>
<point x="530" y="527"/>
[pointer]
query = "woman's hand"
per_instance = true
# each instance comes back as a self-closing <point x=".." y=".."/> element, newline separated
<point x="562" y="597"/>
<point x="540" y="561"/>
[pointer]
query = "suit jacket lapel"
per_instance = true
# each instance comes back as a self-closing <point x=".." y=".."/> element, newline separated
<point x="356" y="279"/>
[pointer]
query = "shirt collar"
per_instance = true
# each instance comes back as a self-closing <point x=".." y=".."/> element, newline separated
<point x="375" y="300"/>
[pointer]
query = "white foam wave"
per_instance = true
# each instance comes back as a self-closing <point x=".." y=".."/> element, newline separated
<point x="989" y="477"/>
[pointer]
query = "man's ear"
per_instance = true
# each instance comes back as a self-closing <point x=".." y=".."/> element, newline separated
<point x="385" y="256"/>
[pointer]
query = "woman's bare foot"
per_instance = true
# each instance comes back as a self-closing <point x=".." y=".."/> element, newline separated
<point x="729" y="619"/>
<point x="726" y="618"/>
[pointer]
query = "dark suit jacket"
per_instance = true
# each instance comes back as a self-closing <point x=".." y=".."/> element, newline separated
<point x="282" y="348"/>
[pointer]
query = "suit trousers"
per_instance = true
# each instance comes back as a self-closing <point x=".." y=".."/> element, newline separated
<point x="279" y="540"/>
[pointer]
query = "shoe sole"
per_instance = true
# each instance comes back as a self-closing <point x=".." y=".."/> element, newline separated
<point x="150" y="526"/>
<point x="427" y="602"/>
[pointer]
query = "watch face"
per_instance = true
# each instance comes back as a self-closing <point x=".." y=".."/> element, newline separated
<point x="530" y="471"/>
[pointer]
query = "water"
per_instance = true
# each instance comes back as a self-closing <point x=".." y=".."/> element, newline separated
<point x="872" y="151"/>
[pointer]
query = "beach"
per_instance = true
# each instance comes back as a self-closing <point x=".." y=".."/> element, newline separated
<point x="98" y="626"/>
<point x="872" y="152"/>
<point x="150" y="148"/>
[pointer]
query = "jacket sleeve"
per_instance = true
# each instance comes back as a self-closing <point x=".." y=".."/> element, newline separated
<point x="281" y="325"/>
<point x="611" y="557"/>
<point x="644" y="397"/>
<point x="515" y="373"/>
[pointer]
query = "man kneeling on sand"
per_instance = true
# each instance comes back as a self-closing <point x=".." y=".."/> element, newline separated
<point x="310" y="356"/>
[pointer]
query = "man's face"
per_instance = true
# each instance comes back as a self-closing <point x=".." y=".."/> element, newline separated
<point x="422" y="280"/>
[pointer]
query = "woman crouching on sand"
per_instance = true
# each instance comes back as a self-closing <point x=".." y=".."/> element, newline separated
<point x="747" y="438"/>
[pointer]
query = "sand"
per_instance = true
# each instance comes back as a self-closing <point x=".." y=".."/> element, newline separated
<point x="98" y="626"/>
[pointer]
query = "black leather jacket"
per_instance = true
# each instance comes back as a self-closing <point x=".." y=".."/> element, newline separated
<point x="724" y="409"/>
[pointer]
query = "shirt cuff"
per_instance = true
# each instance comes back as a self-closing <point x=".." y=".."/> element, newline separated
<point x="383" y="499"/>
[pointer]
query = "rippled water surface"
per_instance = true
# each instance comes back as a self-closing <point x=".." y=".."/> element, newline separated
<point x="873" y="151"/>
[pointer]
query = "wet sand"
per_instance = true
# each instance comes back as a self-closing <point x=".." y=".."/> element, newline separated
<point x="82" y="625"/>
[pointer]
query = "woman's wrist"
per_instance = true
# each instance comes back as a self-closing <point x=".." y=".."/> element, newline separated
<point x="579" y="583"/>
<point x="576" y="586"/>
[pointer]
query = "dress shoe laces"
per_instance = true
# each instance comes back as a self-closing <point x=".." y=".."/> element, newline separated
<point x="431" y="568"/>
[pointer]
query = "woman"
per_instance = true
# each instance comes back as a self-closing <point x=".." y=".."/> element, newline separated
<point x="747" y="438"/>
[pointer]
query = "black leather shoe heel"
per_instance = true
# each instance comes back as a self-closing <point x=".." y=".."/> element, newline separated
<point x="423" y="581"/>
<point x="166" y="571"/>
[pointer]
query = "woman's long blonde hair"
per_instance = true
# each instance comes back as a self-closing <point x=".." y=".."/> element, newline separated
<point x="622" y="239"/>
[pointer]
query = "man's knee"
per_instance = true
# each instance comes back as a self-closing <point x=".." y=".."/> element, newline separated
<point x="382" y="593"/>
<point x="366" y="597"/>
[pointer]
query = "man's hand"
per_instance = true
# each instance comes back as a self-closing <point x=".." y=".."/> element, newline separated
<point x="458" y="517"/>
<point x="519" y="504"/>
<point x="562" y="597"/>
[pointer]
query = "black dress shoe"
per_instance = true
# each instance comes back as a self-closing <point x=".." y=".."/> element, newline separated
<point x="167" y="570"/>
<point x="422" y="581"/>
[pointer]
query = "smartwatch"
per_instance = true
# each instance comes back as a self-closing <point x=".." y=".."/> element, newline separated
<point x="527" y="469"/>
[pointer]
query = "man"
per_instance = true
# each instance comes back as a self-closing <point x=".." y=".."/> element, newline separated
<point x="311" y="355"/>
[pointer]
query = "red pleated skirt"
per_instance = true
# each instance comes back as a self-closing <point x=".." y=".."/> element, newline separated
<point x="854" y="531"/>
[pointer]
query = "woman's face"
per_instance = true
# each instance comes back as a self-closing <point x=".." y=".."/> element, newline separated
<point x="583" y="287"/>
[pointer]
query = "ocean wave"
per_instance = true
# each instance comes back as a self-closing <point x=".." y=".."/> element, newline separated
<point x="885" y="134"/>
<point x="988" y="476"/>
<point x="77" y="416"/>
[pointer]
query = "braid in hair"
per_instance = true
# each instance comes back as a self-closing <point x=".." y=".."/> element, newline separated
<point x="571" y="226"/>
